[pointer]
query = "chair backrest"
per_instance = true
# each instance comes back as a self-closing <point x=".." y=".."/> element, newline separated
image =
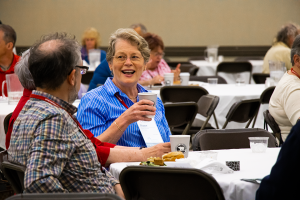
<point x="260" y="78"/>
<point x="246" y="58"/>
<point x="181" y="93"/>
<point x="221" y="80"/>
<point x="178" y="114"/>
<point x="273" y="125"/>
<point x="6" y="122"/>
<point x="207" y="104"/>
<point x="214" y="139"/>
<point x="65" y="196"/>
<point x="142" y="182"/>
<point x="192" y="69"/>
<point x="173" y="65"/>
<point x="86" y="79"/>
<point x="235" y="67"/>
<point x="14" y="173"/>
<point x="197" y="58"/>
<point x="243" y="111"/>
<point x="266" y="95"/>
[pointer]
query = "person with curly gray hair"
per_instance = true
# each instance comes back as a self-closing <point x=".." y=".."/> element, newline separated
<point x="111" y="111"/>
<point x="281" y="49"/>
<point x="24" y="75"/>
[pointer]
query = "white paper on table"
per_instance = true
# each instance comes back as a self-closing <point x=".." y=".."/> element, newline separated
<point x="150" y="132"/>
<point x="179" y="164"/>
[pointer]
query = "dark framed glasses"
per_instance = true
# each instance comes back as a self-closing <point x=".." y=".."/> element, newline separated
<point x="83" y="69"/>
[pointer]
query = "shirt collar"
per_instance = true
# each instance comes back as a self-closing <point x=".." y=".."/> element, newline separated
<point x="281" y="44"/>
<point x="65" y="105"/>
<point x="112" y="89"/>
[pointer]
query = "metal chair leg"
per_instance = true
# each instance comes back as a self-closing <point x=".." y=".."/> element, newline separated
<point x="216" y="121"/>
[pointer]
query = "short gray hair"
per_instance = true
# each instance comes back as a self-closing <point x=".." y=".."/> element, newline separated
<point x="142" y="26"/>
<point x="130" y="35"/>
<point x="286" y="31"/>
<point x="295" y="49"/>
<point x="23" y="73"/>
<point x="51" y="64"/>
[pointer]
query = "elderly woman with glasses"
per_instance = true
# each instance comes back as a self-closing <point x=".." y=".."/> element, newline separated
<point x="157" y="66"/>
<point x="111" y="111"/>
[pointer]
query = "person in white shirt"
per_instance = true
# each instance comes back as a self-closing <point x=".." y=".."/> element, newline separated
<point x="284" y="104"/>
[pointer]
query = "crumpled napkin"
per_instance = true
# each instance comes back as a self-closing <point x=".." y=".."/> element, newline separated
<point x="208" y="165"/>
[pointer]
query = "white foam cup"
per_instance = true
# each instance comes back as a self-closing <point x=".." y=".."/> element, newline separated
<point x="149" y="96"/>
<point x="184" y="78"/>
<point x="180" y="143"/>
<point x="168" y="79"/>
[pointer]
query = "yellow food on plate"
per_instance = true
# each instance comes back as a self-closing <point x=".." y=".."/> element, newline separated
<point x="151" y="159"/>
<point x="159" y="161"/>
<point x="172" y="156"/>
<point x="194" y="84"/>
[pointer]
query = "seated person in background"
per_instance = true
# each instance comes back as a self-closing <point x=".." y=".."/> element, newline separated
<point x="105" y="155"/>
<point x="24" y="75"/>
<point x="91" y="40"/>
<point x="139" y="28"/>
<point x="280" y="183"/>
<point x="157" y="66"/>
<point x="111" y="111"/>
<point x="284" y="104"/>
<point x="8" y="59"/>
<point x="281" y="49"/>
<point x="101" y="73"/>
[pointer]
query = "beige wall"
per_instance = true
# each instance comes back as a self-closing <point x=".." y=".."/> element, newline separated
<point x="178" y="22"/>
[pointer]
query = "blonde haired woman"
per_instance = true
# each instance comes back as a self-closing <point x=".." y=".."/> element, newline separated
<point x="91" y="40"/>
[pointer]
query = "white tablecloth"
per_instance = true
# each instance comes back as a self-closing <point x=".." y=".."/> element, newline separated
<point x="252" y="165"/>
<point x="229" y="94"/>
<point x="209" y="69"/>
<point x="5" y="109"/>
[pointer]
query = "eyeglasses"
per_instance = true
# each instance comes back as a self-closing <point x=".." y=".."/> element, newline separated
<point x="122" y="58"/>
<point x="158" y="54"/>
<point x="83" y="69"/>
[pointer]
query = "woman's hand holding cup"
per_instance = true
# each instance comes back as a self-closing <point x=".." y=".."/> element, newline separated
<point x="139" y="111"/>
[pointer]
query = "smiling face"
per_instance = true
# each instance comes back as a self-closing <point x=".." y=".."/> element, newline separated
<point x="126" y="72"/>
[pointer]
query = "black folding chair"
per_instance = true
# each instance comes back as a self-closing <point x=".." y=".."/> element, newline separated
<point x="221" y="80"/>
<point x="183" y="94"/>
<point x="265" y="99"/>
<point x="242" y="111"/>
<point x="86" y="79"/>
<point x="196" y="58"/>
<point x="235" y="67"/>
<point x="148" y="183"/>
<point x="173" y="65"/>
<point x="14" y="173"/>
<point x="260" y="78"/>
<point x="246" y="58"/>
<point x="192" y="69"/>
<point x="66" y="196"/>
<point x="229" y="138"/>
<point x="269" y="120"/>
<point x="180" y="114"/>
<point x="206" y="107"/>
<point x="6" y="122"/>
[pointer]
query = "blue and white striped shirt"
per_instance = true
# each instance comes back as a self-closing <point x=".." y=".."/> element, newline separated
<point x="99" y="108"/>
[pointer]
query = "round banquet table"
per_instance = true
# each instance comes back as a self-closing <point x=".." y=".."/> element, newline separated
<point x="252" y="166"/>
<point x="5" y="109"/>
<point x="209" y="69"/>
<point x="229" y="94"/>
